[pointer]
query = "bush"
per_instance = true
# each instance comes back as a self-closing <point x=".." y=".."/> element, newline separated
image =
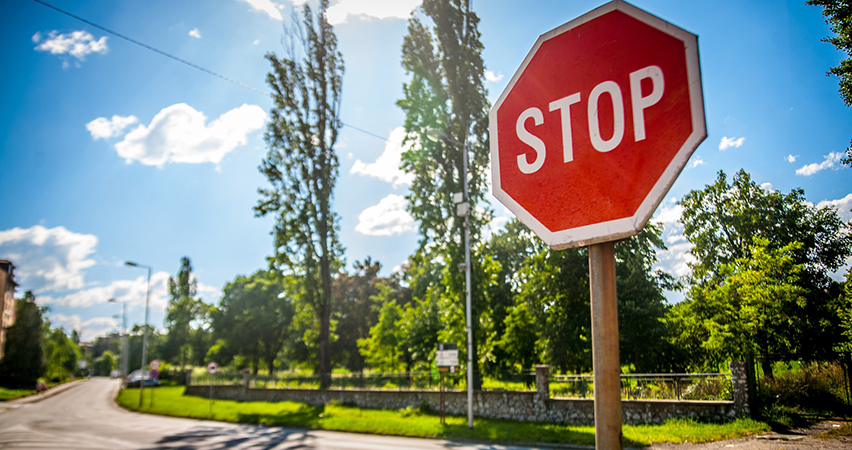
<point x="814" y="389"/>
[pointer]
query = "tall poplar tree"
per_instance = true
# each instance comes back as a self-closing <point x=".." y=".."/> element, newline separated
<point x="301" y="164"/>
<point x="445" y="93"/>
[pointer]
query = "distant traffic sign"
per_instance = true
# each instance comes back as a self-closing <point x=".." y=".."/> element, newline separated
<point x="153" y="374"/>
<point x="447" y="355"/>
<point x="212" y="368"/>
<point x="155" y="364"/>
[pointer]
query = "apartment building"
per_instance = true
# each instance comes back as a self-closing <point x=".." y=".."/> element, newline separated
<point x="7" y="300"/>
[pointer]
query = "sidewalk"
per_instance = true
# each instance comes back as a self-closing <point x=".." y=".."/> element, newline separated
<point x="19" y="402"/>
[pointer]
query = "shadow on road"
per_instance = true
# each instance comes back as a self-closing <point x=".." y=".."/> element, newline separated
<point x="212" y="438"/>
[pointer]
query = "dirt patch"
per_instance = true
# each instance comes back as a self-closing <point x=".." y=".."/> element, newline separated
<point x="823" y="435"/>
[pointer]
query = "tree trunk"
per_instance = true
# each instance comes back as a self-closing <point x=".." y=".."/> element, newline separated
<point x="768" y="373"/>
<point x="325" y="318"/>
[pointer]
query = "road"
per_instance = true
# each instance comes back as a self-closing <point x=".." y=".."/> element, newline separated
<point x="85" y="417"/>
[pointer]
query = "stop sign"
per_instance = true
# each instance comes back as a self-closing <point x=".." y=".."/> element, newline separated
<point x="596" y="124"/>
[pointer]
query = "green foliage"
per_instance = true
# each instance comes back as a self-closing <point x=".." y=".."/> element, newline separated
<point x="301" y="164"/>
<point x="24" y="360"/>
<point x="838" y="14"/>
<point x="788" y="398"/>
<point x="382" y="349"/>
<point x="61" y="355"/>
<point x="104" y="364"/>
<point x="763" y="257"/>
<point x="553" y="286"/>
<point x="355" y="310"/>
<point x="254" y="317"/>
<point x="187" y="320"/>
<point x="446" y="94"/>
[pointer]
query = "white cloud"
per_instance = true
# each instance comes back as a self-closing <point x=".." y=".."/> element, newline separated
<point x="698" y="162"/>
<point x="492" y="77"/>
<point x="831" y="162"/>
<point x="767" y="187"/>
<point x="388" y="218"/>
<point x="179" y="134"/>
<point x="78" y="44"/>
<point x="676" y="258"/>
<point x="103" y="128"/>
<point x="89" y="329"/>
<point x="367" y="9"/>
<point x="48" y="258"/>
<point x="731" y="142"/>
<point x="386" y="167"/>
<point x="843" y="206"/>
<point x="791" y="159"/>
<point x="195" y="33"/>
<point x="132" y="291"/>
<point x="267" y="7"/>
<point x="256" y="41"/>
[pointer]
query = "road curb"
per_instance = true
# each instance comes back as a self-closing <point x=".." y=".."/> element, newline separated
<point x="35" y="398"/>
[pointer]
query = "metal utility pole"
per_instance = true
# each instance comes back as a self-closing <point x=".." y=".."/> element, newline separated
<point x="144" y="330"/>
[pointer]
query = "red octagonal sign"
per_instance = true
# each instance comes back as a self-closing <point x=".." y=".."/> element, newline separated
<point x="596" y="124"/>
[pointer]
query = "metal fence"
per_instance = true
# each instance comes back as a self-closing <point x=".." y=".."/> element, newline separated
<point x="678" y="386"/>
<point x="701" y="386"/>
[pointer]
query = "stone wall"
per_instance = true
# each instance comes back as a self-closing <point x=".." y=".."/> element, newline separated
<point x="520" y="406"/>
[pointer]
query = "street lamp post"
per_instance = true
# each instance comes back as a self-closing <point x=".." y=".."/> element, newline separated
<point x="463" y="210"/>
<point x="124" y="351"/>
<point x="144" y="330"/>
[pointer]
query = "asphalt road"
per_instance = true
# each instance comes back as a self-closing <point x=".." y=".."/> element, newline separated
<point x="84" y="416"/>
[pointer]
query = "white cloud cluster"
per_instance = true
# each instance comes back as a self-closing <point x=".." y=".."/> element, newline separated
<point x="676" y="258"/>
<point x="387" y="166"/>
<point x="492" y="77"/>
<point x="78" y="44"/>
<point x="730" y="142"/>
<point x="388" y="218"/>
<point x="697" y="162"/>
<point x="195" y="33"/>
<point x="88" y="329"/>
<point x="131" y="291"/>
<point x="843" y="206"/>
<point x="366" y="9"/>
<point x="103" y="128"/>
<point x="831" y="161"/>
<point x="48" y="259"/>
<point x="791" y="159"/>
<point x="267" y="7"/>
<point x="180" y="134"/>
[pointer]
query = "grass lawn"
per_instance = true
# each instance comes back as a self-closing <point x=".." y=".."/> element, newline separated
<point x="11" y="394"/>
<point x="411" y="422"/>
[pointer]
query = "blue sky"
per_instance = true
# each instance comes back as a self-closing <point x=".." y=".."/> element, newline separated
<point x="111" y="152"/>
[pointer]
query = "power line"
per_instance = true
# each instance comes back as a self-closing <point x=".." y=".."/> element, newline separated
<point x="181" y="60"/>
<point x="153" y="49"/>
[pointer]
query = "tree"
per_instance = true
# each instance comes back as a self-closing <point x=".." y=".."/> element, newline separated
<point x="754" y="307"/>
<point x="61" y="354"/>
<point x="838" y="14"/>
<point x="723" y="220"/>
<point x="354" y="311"/>
<point x="554" y="288"/>
<point x="302" y="167"/>
<point x="383" y="349"/>
<point x="23" y="362"/>
<point x="519" y="338"/>
<point x="254" y="317"/>
<point x="446" y="93"/>
<point x="185" y="318"/>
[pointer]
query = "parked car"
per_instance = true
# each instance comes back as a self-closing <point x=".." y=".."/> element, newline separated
<point x="138" y="376"/>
